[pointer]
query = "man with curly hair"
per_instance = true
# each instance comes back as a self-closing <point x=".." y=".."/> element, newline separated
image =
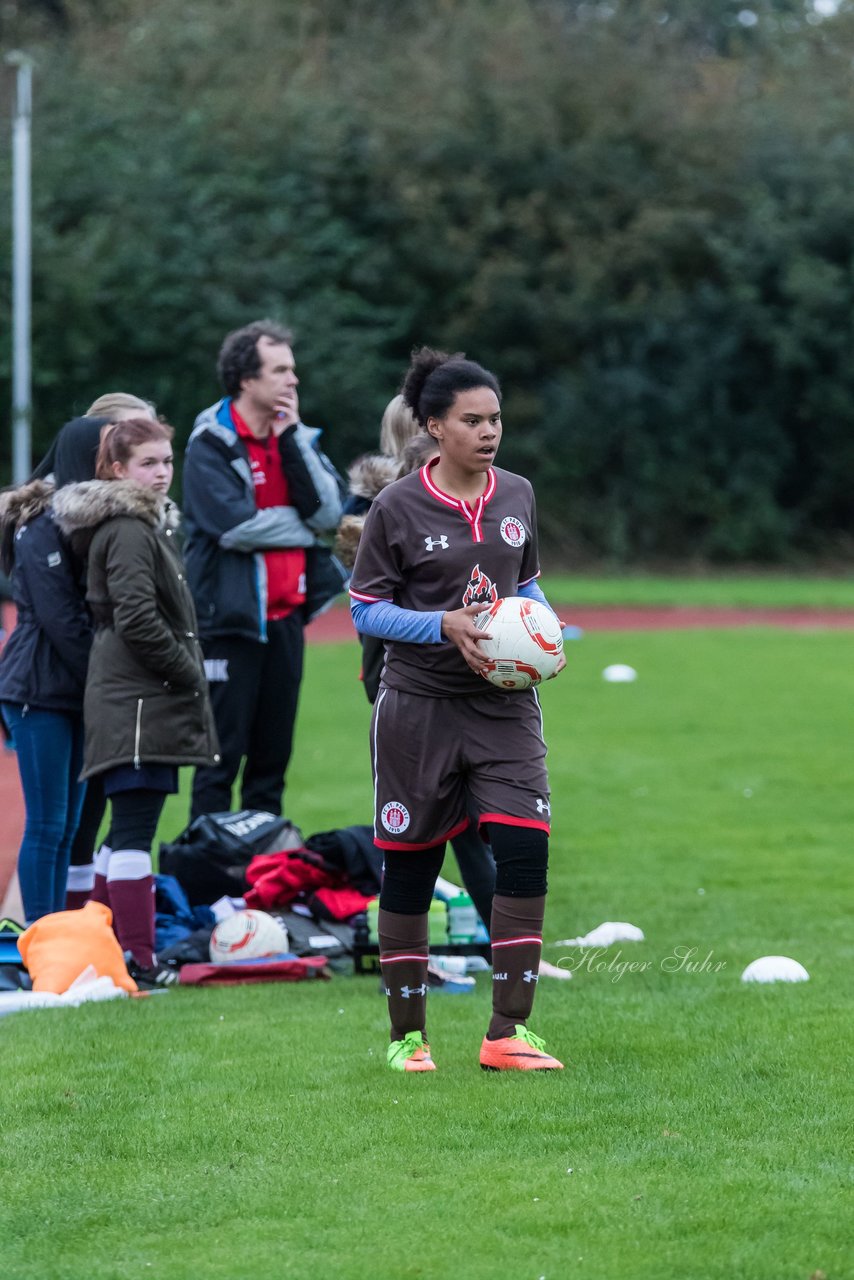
<point x="257" y="492"/>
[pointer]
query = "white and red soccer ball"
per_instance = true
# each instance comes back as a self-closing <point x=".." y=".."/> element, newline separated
<point x="526" y="644"/>
<point x="247" y="935"/>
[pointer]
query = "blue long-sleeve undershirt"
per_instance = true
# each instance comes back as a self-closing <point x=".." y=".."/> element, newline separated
<point x="389" y="621"/>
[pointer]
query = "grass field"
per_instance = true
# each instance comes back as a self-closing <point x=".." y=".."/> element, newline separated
<point x="742" y="589"/>
<point x="702" y="1129"/>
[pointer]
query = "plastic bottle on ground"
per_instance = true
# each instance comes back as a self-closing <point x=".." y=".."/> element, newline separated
<point x="462" y="919"/>
<point x="437" y="924"/>
<point x="372" y="915"/>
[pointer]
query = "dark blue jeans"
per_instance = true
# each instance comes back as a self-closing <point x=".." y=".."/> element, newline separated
<point x="49" y="746"/>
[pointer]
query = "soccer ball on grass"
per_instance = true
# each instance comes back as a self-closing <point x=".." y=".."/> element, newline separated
<point x="247" y="935"/>
<point x="526" y="644"/>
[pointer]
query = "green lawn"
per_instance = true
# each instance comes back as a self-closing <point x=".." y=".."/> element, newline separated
<point x="764" y="590"/>
<point x="702" y="1128"/>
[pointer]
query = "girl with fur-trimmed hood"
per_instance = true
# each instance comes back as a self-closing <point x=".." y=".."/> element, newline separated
<point x="146" y="707"/>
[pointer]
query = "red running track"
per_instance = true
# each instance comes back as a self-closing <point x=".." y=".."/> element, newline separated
<point x="335" y="624"/>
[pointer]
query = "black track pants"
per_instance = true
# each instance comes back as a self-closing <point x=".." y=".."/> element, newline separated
<point x="254" y="692"/>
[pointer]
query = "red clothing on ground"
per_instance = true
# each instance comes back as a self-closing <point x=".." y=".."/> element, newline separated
<point x="276" y="879"/>
<point x="245" y="971"/>
<point x="285" y="565"/>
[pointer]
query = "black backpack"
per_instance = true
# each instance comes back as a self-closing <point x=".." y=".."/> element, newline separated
<point x="209" y="859"/>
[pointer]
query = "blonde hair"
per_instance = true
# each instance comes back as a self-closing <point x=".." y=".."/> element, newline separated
<point x="119" y="439"/>
<point x="116" y="405"/>
<point x="399" y="425"/>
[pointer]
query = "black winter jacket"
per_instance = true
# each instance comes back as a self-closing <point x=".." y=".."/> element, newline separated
<point x="44" y="662"/>
<point x="146" y="694"/>
<point x="227" y="535"/>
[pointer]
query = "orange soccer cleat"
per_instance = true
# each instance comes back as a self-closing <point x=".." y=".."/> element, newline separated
<point x="520" y="1052"/>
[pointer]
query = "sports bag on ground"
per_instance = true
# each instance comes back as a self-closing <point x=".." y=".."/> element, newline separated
<point x="209" y="859"/>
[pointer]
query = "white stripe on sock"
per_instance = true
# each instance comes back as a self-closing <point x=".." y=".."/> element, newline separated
<point x="102" y="860"/>
<point x="81" y="879"/>
<point x="129" y="864"/>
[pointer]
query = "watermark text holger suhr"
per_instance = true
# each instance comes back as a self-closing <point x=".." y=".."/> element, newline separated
<point x="680" y="960"/>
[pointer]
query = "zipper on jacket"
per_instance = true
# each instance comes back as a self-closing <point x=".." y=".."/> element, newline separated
<point x="136" y="761"/>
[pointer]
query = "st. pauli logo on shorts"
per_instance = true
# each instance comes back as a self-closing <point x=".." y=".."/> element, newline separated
<point x="513" y="531"/>
<point x="395" y="817"/>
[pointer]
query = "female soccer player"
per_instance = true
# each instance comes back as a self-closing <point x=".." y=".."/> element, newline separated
<point x="438" y="547"/>
<point x="405" y="447"/>
<point x="146" y="708"/>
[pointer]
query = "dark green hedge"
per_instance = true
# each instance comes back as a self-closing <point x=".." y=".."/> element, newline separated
<point x="644" y="226"/>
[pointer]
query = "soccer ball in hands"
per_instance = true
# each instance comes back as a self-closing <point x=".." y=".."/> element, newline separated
<point x="247" y="935"/>
<point x="526" y="644"/>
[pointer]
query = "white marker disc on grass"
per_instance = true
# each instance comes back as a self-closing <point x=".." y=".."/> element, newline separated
<point x="619" y="673"/>
<point x="775" y="969"/>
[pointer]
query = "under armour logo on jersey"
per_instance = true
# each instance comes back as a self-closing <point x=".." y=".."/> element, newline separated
<point x="406" y="992"/>
<point x="216" y="670"/>
<point x="530" y="976"/>
<point x="441" y="541"/>
<point x="543" y="806"/>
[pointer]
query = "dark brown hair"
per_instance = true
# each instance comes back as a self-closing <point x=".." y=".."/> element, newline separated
<point x="239" y="357"/>
<point x="434" y="380"/>
<point x="119" y="439"/>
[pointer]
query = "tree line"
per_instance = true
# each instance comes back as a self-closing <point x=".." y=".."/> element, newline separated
<point x="637" y="213"/>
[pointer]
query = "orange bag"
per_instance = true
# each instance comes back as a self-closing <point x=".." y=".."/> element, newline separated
<point x="57" y="948"/>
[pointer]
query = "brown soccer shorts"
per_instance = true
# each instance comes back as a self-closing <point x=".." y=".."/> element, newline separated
<point x="429" y="755"/>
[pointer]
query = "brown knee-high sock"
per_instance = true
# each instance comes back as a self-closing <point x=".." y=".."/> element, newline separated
<point x="517" y="941"/>
<point x="131" y="888"/>
<point x="99" y="888"/>
<point x="403" y="960"/>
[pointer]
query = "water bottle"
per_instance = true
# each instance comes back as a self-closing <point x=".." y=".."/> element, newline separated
<point x="372" y="919"/>
<point x="437" y="924"/>
<point x="462" y="919"/>
<point x="456" y="966"/>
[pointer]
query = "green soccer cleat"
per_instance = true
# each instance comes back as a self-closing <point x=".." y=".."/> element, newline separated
<point x="412" y="1053"/>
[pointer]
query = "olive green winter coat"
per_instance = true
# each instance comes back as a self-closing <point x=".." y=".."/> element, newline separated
<point x="146" y="696"/>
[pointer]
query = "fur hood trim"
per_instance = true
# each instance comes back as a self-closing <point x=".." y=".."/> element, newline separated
<point x="19" y="506"/>
<point x="347" y="538"/>
<point x="86" y="505"/>
<point x="369" y="475"/>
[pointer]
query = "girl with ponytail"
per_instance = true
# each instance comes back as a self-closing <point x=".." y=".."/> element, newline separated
<point x="438" y="547"/>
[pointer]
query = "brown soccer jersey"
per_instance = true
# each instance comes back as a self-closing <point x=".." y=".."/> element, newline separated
<point x="424" y="550"/>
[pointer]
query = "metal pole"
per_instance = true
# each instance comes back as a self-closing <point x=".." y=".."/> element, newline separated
<point x="21" y="271"/>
